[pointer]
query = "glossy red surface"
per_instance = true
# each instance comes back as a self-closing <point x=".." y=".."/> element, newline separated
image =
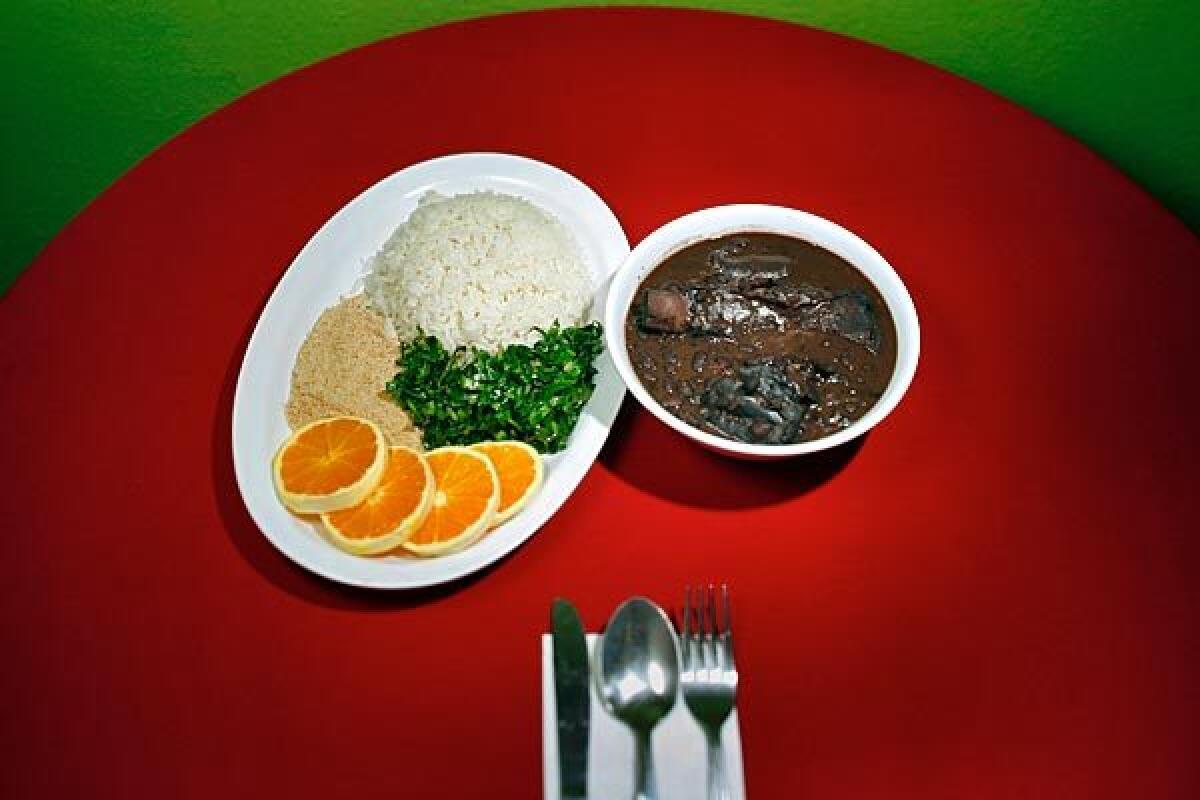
<point x="995" y="596"/>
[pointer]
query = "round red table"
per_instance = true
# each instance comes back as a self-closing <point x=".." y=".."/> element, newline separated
<point x="994" y="596"/>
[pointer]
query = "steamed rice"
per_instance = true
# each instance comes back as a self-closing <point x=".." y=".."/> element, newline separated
<point x="481" y="269"/>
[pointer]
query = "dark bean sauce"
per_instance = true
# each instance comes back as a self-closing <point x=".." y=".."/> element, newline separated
<point x="761" y="338"/>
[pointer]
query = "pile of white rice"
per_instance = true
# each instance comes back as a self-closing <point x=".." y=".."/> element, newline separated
<point x="480" y="269"/>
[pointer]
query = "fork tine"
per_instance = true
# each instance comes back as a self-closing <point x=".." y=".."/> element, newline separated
<point x="727" y="627"/>
<point x="685" y="636"/>
<point x="696" y="642"/>
<point x="714" y="641"/>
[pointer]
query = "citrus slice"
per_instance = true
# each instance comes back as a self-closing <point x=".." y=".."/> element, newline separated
<point x="466" y="494"/>
<point x="391" y="512"/>
<point x="329" y="464"/>
<point x="519" y="468"/>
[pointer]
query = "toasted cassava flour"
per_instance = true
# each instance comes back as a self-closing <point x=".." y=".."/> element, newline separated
<point x="342" y="368"/>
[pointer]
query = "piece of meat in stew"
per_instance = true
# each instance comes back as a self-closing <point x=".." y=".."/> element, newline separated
<point x="761" y="338"/>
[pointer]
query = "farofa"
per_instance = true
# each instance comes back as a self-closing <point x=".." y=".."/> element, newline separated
<point x="342" y="368"/>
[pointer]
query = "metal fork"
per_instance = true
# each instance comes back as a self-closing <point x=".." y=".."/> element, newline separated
<point x="709" y="678"/>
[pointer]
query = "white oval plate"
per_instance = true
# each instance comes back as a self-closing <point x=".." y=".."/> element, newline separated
<point x="331" y="266"/>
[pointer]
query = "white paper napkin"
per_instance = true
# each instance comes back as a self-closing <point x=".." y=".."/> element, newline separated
<point x="680" y="754"/>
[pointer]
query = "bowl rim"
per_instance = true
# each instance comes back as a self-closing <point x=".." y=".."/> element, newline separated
<point x="716" y="221"/>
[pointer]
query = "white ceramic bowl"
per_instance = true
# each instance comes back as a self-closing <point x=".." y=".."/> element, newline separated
<point x="711" y="223"/>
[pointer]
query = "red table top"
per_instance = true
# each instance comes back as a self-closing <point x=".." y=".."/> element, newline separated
<point x="994" y="596"/>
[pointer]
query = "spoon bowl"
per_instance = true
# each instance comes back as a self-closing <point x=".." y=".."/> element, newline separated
<point x="637" y="676"/>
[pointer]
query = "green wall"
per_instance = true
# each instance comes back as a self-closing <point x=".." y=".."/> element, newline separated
<point x="91" y="86"/>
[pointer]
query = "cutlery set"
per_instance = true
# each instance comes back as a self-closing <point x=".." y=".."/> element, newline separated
<point x="639" y="667"/>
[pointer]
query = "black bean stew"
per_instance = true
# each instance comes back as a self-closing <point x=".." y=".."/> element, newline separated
<point x="761" y="338"/>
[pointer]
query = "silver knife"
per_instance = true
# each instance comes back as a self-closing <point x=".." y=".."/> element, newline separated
<point x="572" y="697"/>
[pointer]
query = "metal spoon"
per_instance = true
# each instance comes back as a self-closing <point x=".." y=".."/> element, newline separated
<point x="637" y="676"/>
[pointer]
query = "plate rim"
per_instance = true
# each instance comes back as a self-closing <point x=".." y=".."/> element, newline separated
<point x="611" y="233"/>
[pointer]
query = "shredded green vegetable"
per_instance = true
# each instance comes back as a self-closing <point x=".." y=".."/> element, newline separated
<point x="532" y="394"/>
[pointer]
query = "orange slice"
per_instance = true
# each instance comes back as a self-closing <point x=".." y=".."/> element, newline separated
<point x="391" y="512"/>
<point x="466" y="494"/>
<point x="329" y="464"/>
<point x="520" y="470"/>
